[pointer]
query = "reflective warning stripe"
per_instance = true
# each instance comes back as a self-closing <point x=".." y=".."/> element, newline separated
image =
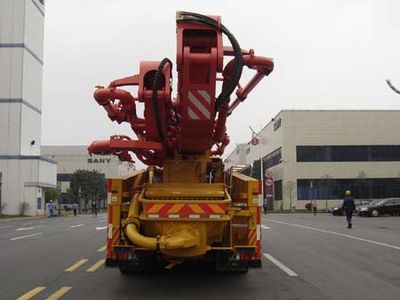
<point x="116" y="236"/>
<point x="182" y="209"/>
<point x="258" y="243"/>
<point x="205" y="95"/>
<point x="109" y="232"/>
<point x="192" y="115"/>
<point x="252" y="237"/>
<point x="184" y="216"/>
<point x="199" y="107"/>
<point x="258" y="250"/>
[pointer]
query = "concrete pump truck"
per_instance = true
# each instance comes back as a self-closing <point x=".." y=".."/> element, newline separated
<point x="184" y="207"/>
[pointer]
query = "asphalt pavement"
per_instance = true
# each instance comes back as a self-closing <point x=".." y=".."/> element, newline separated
<point x="306" y="257"/>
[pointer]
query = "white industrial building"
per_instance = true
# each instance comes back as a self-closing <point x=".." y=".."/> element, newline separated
<point x="72" y="158"/>
<point x="23" y="171"/>
<point x="321" y="153"/>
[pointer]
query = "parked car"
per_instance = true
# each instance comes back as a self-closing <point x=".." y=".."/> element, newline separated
<point x="379" y="207"/>
<point x="337" y="210"/>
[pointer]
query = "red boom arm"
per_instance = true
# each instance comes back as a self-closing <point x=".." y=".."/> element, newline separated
<point x="194" y="122"/>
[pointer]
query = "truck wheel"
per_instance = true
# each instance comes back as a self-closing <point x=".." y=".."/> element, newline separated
<point x="374" y="213"/>
<point x="224" y="264"/>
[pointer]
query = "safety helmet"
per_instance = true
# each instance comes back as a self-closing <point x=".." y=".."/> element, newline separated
<point x="348" y="193"/>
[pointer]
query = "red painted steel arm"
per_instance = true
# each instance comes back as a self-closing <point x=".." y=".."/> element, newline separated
<point x="262" y="65"/>
<point x="195" y="122"/>
<point x="121" y="145"/>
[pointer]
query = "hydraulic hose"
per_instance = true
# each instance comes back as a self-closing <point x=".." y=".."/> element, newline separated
<point x="185" y="16"/>
<point x="156" y="109"/>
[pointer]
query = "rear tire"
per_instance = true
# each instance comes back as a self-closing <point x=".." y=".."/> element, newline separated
<point x="223" y="263"/>
<point x="374" y="213"/>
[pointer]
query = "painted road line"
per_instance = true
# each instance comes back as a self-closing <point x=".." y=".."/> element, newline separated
<point x="102" y="249"/>
<point x="25" y="236"/>
<point x="76" y="265"/>
<point x="280" y="265"/>
<point x="58" y="294"/>
<point x="101" y="228"/>
<point x="78" y="225"/>
<point x="338" y="234"/>
<point x="96" y="265"/>
<point x="32" y="293"/>
<point x="265" y="227"/>
<point x="29" y="228"/>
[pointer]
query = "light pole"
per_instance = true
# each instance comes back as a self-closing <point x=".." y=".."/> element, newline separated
<point x="262" y="180"/>
<point x="79" y="198"/>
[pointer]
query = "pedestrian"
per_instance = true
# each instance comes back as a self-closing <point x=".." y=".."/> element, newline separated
<point x="348" y="207"/>
<point x="314" y="206"/>
<point x="50" y="207"/>
<point x="94" y="208"/>
<point x="75" y="208"/>
<point x="265" y="205"/>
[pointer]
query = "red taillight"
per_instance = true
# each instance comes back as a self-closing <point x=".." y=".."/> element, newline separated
<point x="122" y="255"/>
<point x="245" y="256"/>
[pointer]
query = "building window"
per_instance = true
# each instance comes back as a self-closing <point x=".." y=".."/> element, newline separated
<point x="272" y="159"/>
<point x="277" y="124"/>
<point x="368" y="188"/>
<point x="347" y="153"/>
<point x="278" y="190"/>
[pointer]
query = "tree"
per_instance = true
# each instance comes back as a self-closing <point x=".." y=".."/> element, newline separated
<point x="70" y="195"/>
<point x="88" y="185"/>
<point x="288" y="190"/>
<point x="51" y="194"/>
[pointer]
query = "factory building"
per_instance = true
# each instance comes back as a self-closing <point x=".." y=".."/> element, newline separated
<point x="319" y="154"/>
<point x="24" y="172"/>
<point x="72" y="158"/>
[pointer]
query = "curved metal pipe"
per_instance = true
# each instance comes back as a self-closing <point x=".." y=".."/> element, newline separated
<point x="181" y="240"/>
<point x="142" y="241"/>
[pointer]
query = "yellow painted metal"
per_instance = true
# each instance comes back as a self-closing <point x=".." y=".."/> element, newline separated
<point x="245" y="194"/>
<point x="184" y="237"/>
<point x="184" y="190"/>
<point x="186" y="168"/>
<point x="181" y="238"/>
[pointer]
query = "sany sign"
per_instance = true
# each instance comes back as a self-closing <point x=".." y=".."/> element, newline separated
<point x="99" y="160"/>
